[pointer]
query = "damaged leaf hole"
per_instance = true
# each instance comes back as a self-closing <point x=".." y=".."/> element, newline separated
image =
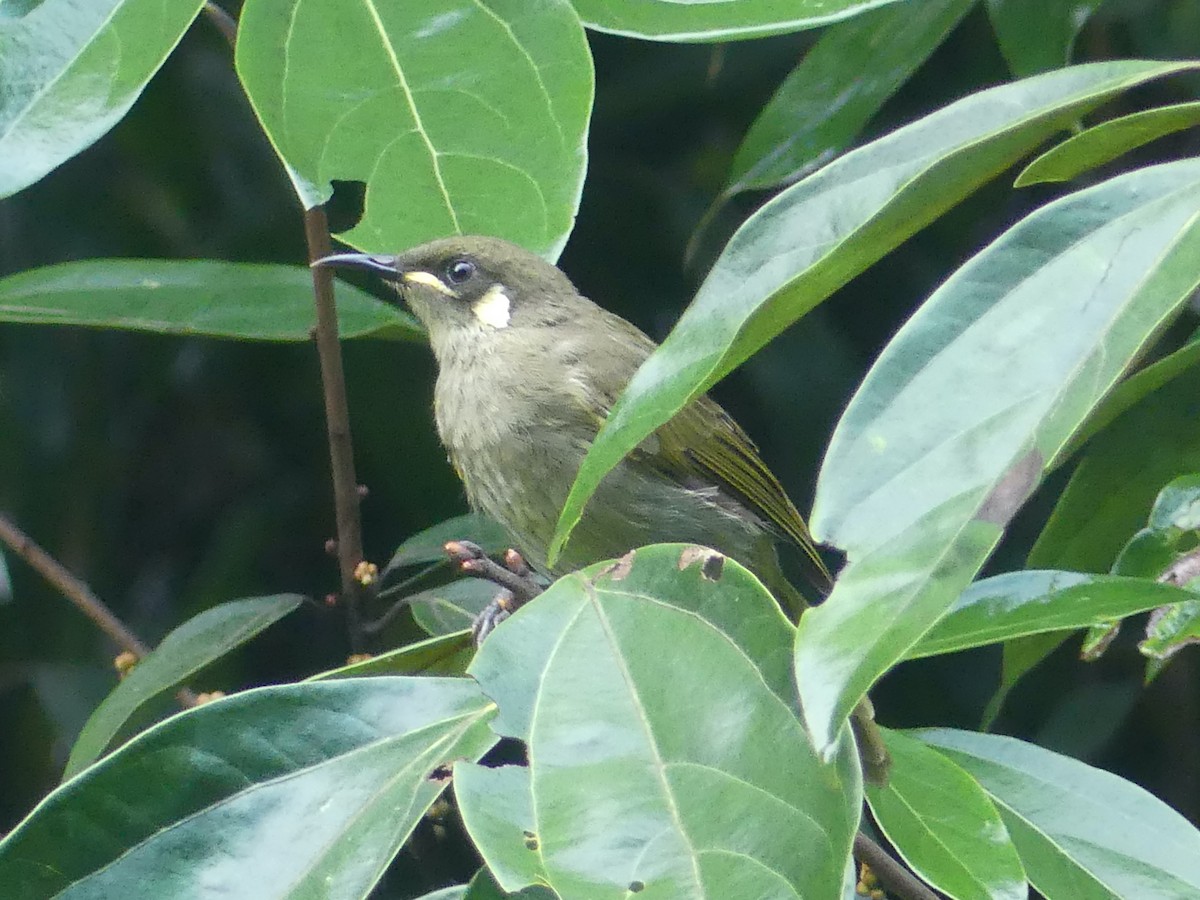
<point x="712" y="563"/>
<point x="345" y="208"/>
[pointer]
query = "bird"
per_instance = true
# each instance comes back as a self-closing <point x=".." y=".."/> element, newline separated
<point x="528" y="370"/>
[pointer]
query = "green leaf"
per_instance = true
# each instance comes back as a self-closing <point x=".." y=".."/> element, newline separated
<point x="1122" y="470"/>
<point x="1107" y="141"/>
<point x="461" y="118"/>
<point x="734" y="602"/>
<point x="1038" y="35"/>
<point x="1168" y="632"/>
<point x="1081" y="832"/>
<point x="429" y="545"/>
<point x="71" y="71"/>
<point x="839" y="86"/>
<point x="185" y="651"/>
<point x="1177" y="507"/>
<point x="497" y="809"/>
<point x="1131" y="391"/>
<point x="455" y="892"/>
<point x="1147" y="555"/>
<point x="950" y="430"/>
<point x="1018" y="604"/>
<point x="447" y="654"/>
<point x="298" y="790"/>
<point x="483" y="887"/>
<point x="944" y="826"/>
<point x="818" y="234"/>
<point x="643" y="715"/>
<point x="243" y="301"/>
<point x="722" y="20"/>
<point x="451" y="608"/>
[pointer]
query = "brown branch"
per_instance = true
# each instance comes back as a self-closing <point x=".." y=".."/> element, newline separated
<point x="78" y="593"/>
<point x="225" y="23"/>
<point x="513" y="576"/>
<point x="337" y="421"/>
<point x="891" y="874"/>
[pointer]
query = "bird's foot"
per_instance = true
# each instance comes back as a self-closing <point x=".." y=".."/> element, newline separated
<point x="516" y="581"/>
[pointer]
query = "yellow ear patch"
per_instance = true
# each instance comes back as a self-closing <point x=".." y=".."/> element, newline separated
<point x="493" y="308"/>
<point x="419" y="277"/>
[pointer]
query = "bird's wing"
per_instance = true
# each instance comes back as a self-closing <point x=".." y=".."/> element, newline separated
<point x="702" y="444"/>
<point x="703" y="440"/>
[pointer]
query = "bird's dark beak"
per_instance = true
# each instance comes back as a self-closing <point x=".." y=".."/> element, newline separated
<point x="383" y="266"/>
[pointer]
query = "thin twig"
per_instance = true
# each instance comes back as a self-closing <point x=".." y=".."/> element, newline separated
<point x="513" y="576"/>
<point x="78" y="593"/>
<point x="226" y="23"/>
<point x="892" y="875"/>
<point x="337" y="420"/>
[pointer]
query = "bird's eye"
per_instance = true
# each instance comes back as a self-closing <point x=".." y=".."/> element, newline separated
<point x="459" y="271"/>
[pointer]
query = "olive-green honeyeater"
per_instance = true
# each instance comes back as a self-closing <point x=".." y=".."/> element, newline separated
<point x="528" y="369"/>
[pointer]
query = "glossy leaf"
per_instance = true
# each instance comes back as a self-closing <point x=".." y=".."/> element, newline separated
<point x="483" y="887"/>
<point x="944" y="826"/>
<point x="722" y="20"/>
<point x="1018" y="604"/>
<point x="70" y="71"/>
<point x="951" y="428"/>
<point x="631" y="748"/>
<point x="1131" y="391"/>
<point x="818" y="234"/>
<point x="1107" y="141"/>
<point x="1081" y="832"/>
<point x="1168" y="632"/>
<point x="453" y="607"/>
<point x="1178" y="505"/>
<point x="1122" y="470"/>
<point x="429" y="545"/>
<point x="497" y="809"/>
<point x="460" y="117"/>
<point x="1146" y="555"/>
<point x="735" y="603"/>
<point x="1175" y="521"/>
<point x="184" y="652"/>
<point x="1037" y="35"/>
<point x="299" y="790"/>
<point x="455" y="892"/>
<point x="243" y="301"/>
<point x="447" y="654"/>
<point x="838" y="87"/>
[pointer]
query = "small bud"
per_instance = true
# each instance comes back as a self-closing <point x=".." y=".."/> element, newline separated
<point x="124" y="663"/>
<point x="331" y="547"/>
<point x="515" y="563"/>
<point x="331" y="600"/>
<point x="365" y="573"/>
<point x="362" y="490"/>
<point x="208" y="697"/>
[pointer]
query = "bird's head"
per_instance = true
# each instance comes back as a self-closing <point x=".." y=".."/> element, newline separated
<point x="469" y="288"/>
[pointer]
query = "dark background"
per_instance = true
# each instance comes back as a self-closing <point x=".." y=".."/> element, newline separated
<point x="175" y="474"/>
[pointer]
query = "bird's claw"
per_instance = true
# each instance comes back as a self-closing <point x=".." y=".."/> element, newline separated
<point x="493" y="614"/>
<point x="515" y="579"/>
